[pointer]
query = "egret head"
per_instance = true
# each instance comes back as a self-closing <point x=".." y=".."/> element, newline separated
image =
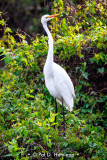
<point x="47" y="18"/>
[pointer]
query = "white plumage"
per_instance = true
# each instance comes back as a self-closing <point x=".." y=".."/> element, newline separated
<point x="57" y="80"/>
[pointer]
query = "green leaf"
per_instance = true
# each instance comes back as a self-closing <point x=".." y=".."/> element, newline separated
<point x="100" y="70"/>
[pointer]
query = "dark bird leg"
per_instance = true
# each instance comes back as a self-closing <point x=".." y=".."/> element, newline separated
<point x="55" y="110"/>
<point x="63" y="118"/>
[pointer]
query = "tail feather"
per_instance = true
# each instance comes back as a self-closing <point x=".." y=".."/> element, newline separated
<point x="68" y="106"/>
<point x="71" y="104"/>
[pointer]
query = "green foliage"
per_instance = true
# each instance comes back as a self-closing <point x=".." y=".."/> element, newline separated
<point x="26" y="107"/>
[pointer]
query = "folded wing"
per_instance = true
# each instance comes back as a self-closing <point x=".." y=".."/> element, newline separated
<point x="64" y="86"/>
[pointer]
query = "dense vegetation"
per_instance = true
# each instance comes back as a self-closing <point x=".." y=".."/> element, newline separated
<point x="26" y="108"/>
<point x="25" y="15"/>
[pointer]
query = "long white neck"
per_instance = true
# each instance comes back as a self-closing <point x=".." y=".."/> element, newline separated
<point x="50" y="42"/>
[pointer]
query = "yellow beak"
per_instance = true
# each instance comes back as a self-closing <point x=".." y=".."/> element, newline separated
<point x="52" y="16"/>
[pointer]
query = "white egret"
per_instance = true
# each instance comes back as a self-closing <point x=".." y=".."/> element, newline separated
<point x="57" y="80"/>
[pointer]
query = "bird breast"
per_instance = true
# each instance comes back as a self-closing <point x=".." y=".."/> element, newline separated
<point x="49" y="81"/>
